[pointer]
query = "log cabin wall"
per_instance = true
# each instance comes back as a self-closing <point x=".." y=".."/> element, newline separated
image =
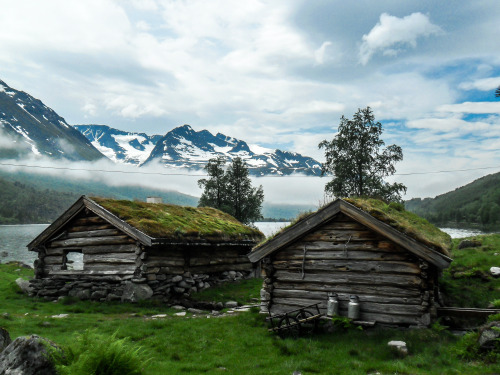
<point x="345" y="257"/>
<point x="112" y="259"/>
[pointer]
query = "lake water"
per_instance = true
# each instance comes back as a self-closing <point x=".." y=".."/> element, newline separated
<point x="14" y="238"/>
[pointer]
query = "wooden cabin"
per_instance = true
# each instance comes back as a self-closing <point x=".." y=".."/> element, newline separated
<point x="105" y="249"/>
<point x="348" y="248"/>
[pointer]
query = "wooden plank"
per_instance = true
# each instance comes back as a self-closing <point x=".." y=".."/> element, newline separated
<point x="93" y="233"/>
<point x="348" y="288"/>
<point x="89" y="220"/>
<point x="213" y="261"/>
<point x="348" y="278"/>
<point x="54" y="251"/>
<point x="221" y="267"/>
<point x="126" y="248"/>
<point x="164" y="262"/>
<point x="348" y="266"/>
<point x="93" y="241"/>
<point x="105" y="267"/>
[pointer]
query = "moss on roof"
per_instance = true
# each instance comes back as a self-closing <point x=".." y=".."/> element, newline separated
<point x="173" y="222"/>
<point x="406" y="222"/>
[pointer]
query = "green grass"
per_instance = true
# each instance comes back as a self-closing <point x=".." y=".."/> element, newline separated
<point x="237" y="344"/>
<point x="468" y="281"/>
<point x="242" y="291"/>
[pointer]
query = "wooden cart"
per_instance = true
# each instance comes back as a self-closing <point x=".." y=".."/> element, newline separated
<point x="295" y="322"/>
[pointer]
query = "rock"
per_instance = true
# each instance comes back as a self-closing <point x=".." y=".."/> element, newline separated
<point x="182" y="313"/>
<point x="231" y="304"/>
<point x="136" y="292"/>
<point x="176" y="279"/>
<point x="4" y="254"/>
<point x="231" y="274"/>
<point x="4" y="339"/>
<point x="399" y="347"/>
<point x="218" y="306"/>
<point x="495" y="271"/>
<point x="24" y="285"/>
<point x="98" y="294"/>
<point x="178" y="307"/>
<point x="60" y="316"/>
<point x="469" y="243"/>
<point x="192" y="310"/>
<point x="28" y="356"/>
<point x="178" y="290"/>
<point x="489" y="336"/>
<point x="184" y="285"/>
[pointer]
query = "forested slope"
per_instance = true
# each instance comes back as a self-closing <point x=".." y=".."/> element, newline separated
<point x="476" y="204"/>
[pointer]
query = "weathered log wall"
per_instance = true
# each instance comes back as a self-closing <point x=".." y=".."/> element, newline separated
<point x="112" y="259"/>
<point x="347" y="258"/>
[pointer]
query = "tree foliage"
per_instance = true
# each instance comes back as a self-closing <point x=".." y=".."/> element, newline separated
<point x="231" y="190"/>
<point x="358" y="161"/>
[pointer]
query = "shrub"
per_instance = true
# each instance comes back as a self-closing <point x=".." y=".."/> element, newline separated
<point x="97" y="354"/>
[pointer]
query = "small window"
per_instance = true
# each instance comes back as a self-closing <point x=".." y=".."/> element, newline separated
<point x="72" y="260"/>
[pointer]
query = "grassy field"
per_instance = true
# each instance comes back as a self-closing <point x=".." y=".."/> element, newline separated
<point x="239" y="343"/>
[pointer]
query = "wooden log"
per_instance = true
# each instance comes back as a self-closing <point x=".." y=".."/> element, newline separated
<point x="104" y="267"/>
<point x="93" y="241"/>
<point x="93" y="233"/>
<point x="341" y="254"/>
<point x="323" y="296"/>
<point x="110" y="258"/>
<point x="56" y="259"/>
<point x="165" y="262"/>
<point x="366" y="306"/>
<point x="54" y="251"/>
<point x="213" y="261"/>
<point x="366" y="316"/>
<point x="90" y="220"/>
<point x="348" y="288"/>
<point x="85" y="273"/>
<point x="349" y="266"/>
<point x="341" y="235"/>
<point x="127" y="248"/>
<point x="165" y="251"/>
<point x="84" y="228"/>
<point x="378" y="246"/>
<point x="350" y="278"/>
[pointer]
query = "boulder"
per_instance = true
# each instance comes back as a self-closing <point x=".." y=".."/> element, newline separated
<point x="469" y="243"/>
<point x="136" y="292"/>
<point x="28" y="356"/>
<point x="24" y="285"/>
<point x="4" y="339"/>
<point x="495" y="271"/>
<point x="231" y="304"/>
<point x="489" y="336"/>
<point x="399" y="347"/>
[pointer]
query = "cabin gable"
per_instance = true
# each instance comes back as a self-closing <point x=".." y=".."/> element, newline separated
<point x="346" y="257"/>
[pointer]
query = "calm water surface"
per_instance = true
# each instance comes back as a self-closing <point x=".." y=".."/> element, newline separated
<point x="14" y="238"/>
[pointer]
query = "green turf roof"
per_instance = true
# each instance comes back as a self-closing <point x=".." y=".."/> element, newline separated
<point x="405" y="222"/>
<point x="173" y="222"/>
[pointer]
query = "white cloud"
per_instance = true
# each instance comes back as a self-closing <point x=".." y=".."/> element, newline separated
<point x="484" y="84"/>
<point x="471" y="107"/>
<point x="320" y="53"/>
<point x="391" y="34"/>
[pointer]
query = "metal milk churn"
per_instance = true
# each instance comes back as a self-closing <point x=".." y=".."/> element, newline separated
<point x="353" y="308"/>
<point x="332" y="306"/>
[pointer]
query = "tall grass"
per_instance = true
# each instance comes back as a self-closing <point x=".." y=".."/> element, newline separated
<point x="98" y="354"/>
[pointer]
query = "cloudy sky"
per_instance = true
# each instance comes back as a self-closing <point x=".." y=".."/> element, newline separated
<point x="275" y="73"/>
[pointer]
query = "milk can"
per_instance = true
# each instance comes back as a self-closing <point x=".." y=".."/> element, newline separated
<point x="353" y="308"/>
<point x="332" y="306"/>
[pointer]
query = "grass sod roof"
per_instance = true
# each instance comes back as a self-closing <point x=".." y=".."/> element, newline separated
<point x="395" y="216"/>
<point x="171" y="222"/>
<point x="405" y="222"/>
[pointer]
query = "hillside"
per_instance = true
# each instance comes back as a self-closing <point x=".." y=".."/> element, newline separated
<point x="474" y="205"/>
<point x="28" y="127"/>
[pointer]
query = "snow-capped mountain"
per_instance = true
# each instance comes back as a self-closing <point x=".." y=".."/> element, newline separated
<point x="184" y="147"/>
<point x="27" y="127"/>
<point x="120" y="146"/>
